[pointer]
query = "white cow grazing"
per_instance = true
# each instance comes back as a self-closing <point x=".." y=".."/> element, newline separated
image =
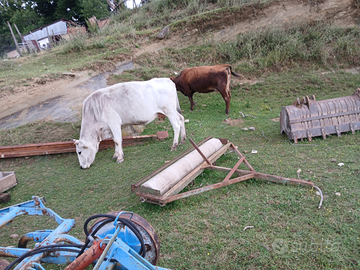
<point x="129" y="103"/>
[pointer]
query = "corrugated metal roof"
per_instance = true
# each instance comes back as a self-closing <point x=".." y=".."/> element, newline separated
<point x="56" y="28"/>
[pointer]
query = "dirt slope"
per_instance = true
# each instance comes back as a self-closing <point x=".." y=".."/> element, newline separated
<point x="221" y="27"/>
<point x="226" y="26"/>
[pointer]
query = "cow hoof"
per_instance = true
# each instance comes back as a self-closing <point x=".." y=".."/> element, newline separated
<point x="182" y="141"/>
<point x="119" y="160"/>
<point x="114" y="157"/>
<point x="173" y="148"/>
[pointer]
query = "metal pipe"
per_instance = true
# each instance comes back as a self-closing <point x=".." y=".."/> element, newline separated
<point x="87" y="258"/>
<point x="102" y="257"/>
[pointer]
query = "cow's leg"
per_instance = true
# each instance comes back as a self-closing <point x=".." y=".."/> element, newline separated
<point x="192" y="103"/>
<point x="177" y="122"/>
<point x="114" y="122"/>
<point x="182" y="128"/>
<point x="225" y="93"/>
<point x="119" y="154"/>
<point x="227" y="103"/>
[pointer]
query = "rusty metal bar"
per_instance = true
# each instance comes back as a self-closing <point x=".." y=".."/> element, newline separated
<point x="201" y="153"/>
<point x="206" y="188"/>
<point x="283" y="180"/>
<point x="245" y="161"/>
<point x="64" y="147"/>
<point x="234" y="169"/>
<point x="265" y="177"/>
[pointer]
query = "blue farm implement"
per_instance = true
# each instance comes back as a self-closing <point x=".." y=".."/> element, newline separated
<point x="117" y="240"/>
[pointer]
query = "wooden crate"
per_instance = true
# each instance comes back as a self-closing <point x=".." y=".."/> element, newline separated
<point x="7" y="181"/>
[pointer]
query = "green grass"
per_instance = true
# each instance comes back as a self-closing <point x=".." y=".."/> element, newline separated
<point x="205" y="231"/>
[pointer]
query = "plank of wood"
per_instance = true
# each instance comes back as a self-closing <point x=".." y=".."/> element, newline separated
<point x="7" y="181"/>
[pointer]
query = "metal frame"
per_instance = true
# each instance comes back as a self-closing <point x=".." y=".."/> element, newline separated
<point x="114" y="253"/>
<point x="308" y="118"/>
<point x="147" y="195"/>
<point x="43" y="237"/>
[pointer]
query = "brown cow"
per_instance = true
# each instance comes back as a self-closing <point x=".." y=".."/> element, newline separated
<point x="205" y="79"/>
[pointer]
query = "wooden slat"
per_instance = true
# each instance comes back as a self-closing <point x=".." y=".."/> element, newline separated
<point x="7" y="181"/>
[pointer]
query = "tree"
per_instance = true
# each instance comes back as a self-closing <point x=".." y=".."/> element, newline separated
<point x="27" y="20"/>
<point x="46" y="9"/>
<point x="19" y="12"/>
<point x="68" y="9"/>
<point x="97" y="8"/>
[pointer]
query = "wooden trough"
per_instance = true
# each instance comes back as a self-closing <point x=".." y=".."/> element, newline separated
<point x="7" y="181"/>
<point x="165" y="184"/>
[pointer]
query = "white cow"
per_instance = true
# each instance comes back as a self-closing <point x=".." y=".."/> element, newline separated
<point x="129" y="103"/>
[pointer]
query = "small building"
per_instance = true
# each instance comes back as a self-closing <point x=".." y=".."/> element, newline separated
<point x="39" y="38"/>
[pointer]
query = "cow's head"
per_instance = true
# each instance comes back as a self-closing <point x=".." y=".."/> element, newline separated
<point x="86" y="153"/>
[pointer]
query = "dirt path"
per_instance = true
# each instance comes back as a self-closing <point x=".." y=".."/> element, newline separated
<point x="61" y="100"/>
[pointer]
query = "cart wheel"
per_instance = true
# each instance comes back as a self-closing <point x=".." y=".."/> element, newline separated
<point x="3" y="264"/>
<point x="147" y="232"/>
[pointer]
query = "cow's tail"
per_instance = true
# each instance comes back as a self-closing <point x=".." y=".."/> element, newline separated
<point x="178" y="104"/>
<point x="234" y="73"/>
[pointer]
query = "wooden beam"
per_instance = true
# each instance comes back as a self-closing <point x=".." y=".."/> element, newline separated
<point x="16" y="44"/>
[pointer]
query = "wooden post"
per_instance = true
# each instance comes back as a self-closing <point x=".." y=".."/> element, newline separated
<point x="49" y="38"/>
<point x="22" y="39"/>
<point x="37" y="45"/>
<point x="16" y="44"/>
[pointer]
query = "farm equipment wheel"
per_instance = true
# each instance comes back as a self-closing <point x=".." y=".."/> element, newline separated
<point x="3" y="264"/>
<point x="147" y="232"/>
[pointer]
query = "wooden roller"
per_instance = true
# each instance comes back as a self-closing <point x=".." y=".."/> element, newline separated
<point x="167" y="178"/>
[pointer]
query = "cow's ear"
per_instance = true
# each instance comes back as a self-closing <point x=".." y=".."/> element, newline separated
<point x="76" y="142"/>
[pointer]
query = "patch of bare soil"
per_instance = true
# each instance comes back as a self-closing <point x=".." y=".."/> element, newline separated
<point x="42" y="91"/>
<point x="234" y="122"/>
<point x="221" y="26"/>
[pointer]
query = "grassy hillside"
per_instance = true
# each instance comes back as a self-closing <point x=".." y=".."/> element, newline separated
<point x="206" y="231"/>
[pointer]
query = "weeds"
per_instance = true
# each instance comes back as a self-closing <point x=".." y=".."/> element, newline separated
<point x="76" y="43"/>
<point x="268" y="48"/>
